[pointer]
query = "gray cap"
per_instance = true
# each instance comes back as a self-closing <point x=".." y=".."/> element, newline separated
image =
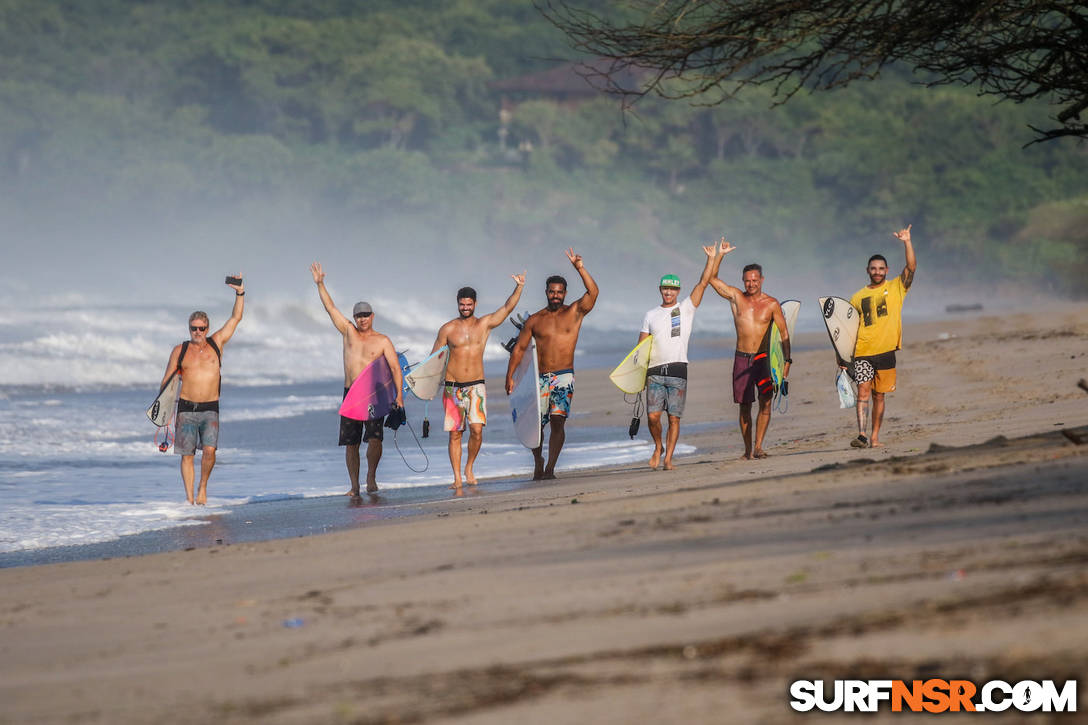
<point x="361" y="308"/>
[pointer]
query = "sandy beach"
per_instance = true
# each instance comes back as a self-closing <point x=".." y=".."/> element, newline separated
<point x="630" y="595"/>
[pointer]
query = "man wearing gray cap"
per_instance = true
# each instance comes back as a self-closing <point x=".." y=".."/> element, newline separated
<point x="362" y="345"/>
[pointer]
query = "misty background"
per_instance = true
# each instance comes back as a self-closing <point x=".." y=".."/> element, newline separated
<point x="148" y="148"/>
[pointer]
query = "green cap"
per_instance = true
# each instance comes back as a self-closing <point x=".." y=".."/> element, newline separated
<point x="670" y="280"/>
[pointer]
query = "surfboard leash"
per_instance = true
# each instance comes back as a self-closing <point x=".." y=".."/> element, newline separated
<point x="396" y="443"/>
<point x="636" y="413"/>
<point x="169" y="431"/>
<point x="782" y="397"/>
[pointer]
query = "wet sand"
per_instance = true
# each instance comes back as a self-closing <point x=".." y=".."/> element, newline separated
<point x="626" y="595"/>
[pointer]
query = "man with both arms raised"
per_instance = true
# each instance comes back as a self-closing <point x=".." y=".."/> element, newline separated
<point x="464" y="397"/>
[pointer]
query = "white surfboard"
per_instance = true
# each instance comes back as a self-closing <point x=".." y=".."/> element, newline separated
<point x="630" y="375"/>
<point x="525" y="399"/>
<point x="427" y="378"/>
<point x="162" y="410"/>
<point x="842" y="322"/>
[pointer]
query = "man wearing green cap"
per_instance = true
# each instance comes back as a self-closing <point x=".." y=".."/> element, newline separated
<point x="667" y="377"/>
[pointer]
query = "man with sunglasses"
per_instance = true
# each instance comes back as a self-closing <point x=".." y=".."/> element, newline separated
<point x="362" y="345"/>
<point x="199" y="360"/>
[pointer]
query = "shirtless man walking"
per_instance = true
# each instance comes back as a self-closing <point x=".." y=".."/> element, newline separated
<point x="464" y="397"/>
<point x="362" y="345"/>
<point x="199" y="361"/>
<point x="555" y="330"/>
<point x="753" y="312"/>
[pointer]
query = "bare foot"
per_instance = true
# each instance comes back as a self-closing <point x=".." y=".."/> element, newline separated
<point x="874" y="443"/>
<point x="655" y="458"/>
<point x="371" y="487"/>
<point x="746" y="457"/>
<point x="190" y="501"/>
<point x="353" y="492"/>
<point x="470" y="477"/>
<point x="668" y="466"/>
<point x="538" y="472"/>
<point x="548" y="477"/>
<point x="202" y="499"/>
<point x="759" y="454"/>
<point x="456" y="486"/>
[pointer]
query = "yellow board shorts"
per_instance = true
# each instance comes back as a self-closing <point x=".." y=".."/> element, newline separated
<point x="464" y="403"/>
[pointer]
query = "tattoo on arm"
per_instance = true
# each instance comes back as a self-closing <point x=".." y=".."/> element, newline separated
<point x="908" y="277"/>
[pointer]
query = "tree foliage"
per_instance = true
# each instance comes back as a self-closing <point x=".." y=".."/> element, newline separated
<point x="1013" y="49"/>
<point x="380" y="114"/>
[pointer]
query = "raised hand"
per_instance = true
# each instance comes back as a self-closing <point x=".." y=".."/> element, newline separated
<point x="519" y="279"/>
<point x="725" y="247"/>
<point x="239" y="288"/>
<point x="711" y="251"/>
<point x="317" y="272"/>
<point x="903" y="235"/>
<point x="575" y="259"/>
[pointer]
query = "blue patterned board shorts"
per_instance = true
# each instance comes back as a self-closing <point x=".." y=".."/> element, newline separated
<point x="666" y="392"/>
<point x="556" y="394"/>
<point x="196" y="430"/>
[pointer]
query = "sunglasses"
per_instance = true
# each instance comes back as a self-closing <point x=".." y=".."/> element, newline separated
<point x="363" y="314"/>
<point x="194" y="328"/>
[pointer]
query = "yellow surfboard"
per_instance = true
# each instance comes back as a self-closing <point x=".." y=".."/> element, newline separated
<point x="790" y="308"/>
<point x="630" y="375"/>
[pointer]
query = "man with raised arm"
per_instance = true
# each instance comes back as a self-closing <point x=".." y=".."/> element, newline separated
<point x="753" y="313"/>
<point x="199" y="361"/>
<point x="555" y="330"/>
<point x="464" y="397"/>
<point x="880" y="334"/>
<point x="670" y="323"/>
<point x="362" y="345"/>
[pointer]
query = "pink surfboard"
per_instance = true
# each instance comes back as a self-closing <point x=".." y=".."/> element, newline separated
<point x="372" y="394"/>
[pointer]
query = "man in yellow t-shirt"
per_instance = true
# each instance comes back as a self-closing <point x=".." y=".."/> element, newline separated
<point x="880" y="334"/>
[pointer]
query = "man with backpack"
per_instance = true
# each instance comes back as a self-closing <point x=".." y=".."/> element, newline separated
<point x="198" y="361"/>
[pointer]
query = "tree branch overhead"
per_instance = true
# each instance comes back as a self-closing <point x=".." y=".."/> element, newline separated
<point x="1017" y="51"/>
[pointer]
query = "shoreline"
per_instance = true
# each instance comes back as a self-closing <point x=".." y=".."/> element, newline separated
<point x="613" y="595"/>
<point x="802" y="435"/>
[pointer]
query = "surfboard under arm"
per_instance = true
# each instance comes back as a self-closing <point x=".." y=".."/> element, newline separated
<point x="630" y="375"/>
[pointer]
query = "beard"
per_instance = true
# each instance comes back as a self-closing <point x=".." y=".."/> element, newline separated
<point x="554" y="305"/>
<point x="465" y="314"/>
